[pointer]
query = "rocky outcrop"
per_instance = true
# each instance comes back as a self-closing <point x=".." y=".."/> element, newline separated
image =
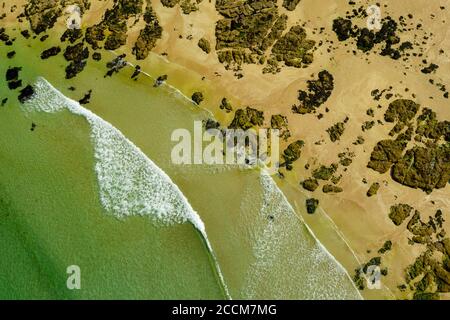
<point x="51" y="52"/>
<point x="373" y="189"/>
<point x="317" y="93"/>
<point x="197" y="97"/>
<point x="399" y="212"/>
<point x="311" y="205"/>
<point x="204" y="45"/>
<point x="247" y="118"/>
<point x="148" y="36"/>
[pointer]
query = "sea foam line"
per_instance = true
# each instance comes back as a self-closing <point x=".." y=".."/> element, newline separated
<point x="270" y="186"/>
<point x="130" y="183"/>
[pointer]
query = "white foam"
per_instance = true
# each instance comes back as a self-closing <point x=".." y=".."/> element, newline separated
<point x="283" y="245"/>
<point x="130" y="183"/>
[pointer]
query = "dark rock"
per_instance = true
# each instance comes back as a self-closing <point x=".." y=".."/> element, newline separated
<point x="373" y="189"/>
<point x="53" y="51"/>
<point x="204" y="45"/>
<point x="10" y="54"/>
<point x="387" y="246"/>
<point x="398" y="213"/>
<point x="197" y="97"/>
<point x="86" y="99"/>
<point x="14" y="84"/>
<point x="161" y="79"/>
<point x="310" y="184"/>
<point x="325" y="173"/>
<point x="311" y="205"/>
<point x="12" y="74"/>
<point x="74" y="68"/>
<point x="26" y="93"/>
<point x="318" y="93"/>
<point x="225" y="105"/>
<point x="328" y="188"/>
<point x="97" y="56"/>
<point x="342" y="28"/>
<point x="247" y="118"/>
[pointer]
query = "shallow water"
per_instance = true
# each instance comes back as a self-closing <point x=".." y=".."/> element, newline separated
<point x="259" y="257"/>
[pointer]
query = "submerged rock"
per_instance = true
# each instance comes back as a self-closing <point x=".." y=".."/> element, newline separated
<point x="26" y="93"/>
<point x="53" y="51"/>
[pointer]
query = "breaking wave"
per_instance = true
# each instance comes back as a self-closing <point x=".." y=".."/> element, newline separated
<point x="130" y="184"/>
<point x="283" y="244"/>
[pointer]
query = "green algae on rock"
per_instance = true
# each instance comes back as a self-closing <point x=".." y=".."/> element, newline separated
<point x="373" y="190"/>
<point x="399" y="212"/>
<point x="318" y="93"/>
<point x="204" y="45"/>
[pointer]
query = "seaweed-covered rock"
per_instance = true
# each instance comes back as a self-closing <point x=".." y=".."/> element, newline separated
<point x="373" y="189"/>
<point x="310" y="184"/>
<point x="399" y="212"/>
<point x="343" y="28"/>
<point x="426" y="168"/>
<point x="293" y="152"/>
<point x="11" y="54"/>
<point x="96" y="56"/>
<point x="225" y="105"/>
<point x="430" y="69"/>
<point x="429" y="127"/>
<point x="318" y="93"/>
<point x="387" y="246"/>
<point x="249" y="28"/>
<point x="385" y="154"/>
<point x="311" y="205"/>
<point x="76" y="52"/>
<point x="290" y="4"/>
<point x="197" y="97"/>
<point x="324" y="172"/>
<point x="366" y="40"/>
<point x="401" y="110"/>
<point x="115" y="65"/>
<point x="160" y="80"/>
<point x="74" y="68"/>
<point x="12" y="74"/>
<point x="26" y="93"/>
<point x="42" y="14"/>
<point x="86" y="99"/>
<point x="247" y="118"/>
<point x="204" y="45"/>
<point x="329" y="188"/>
<point x="148" y="36"/>
<point x="336" y="131"/>
<point x="72" y="35"/>
<point x="280" y="122"/>
<point x="293" y="48"/>
<point x="51" y="52"/>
